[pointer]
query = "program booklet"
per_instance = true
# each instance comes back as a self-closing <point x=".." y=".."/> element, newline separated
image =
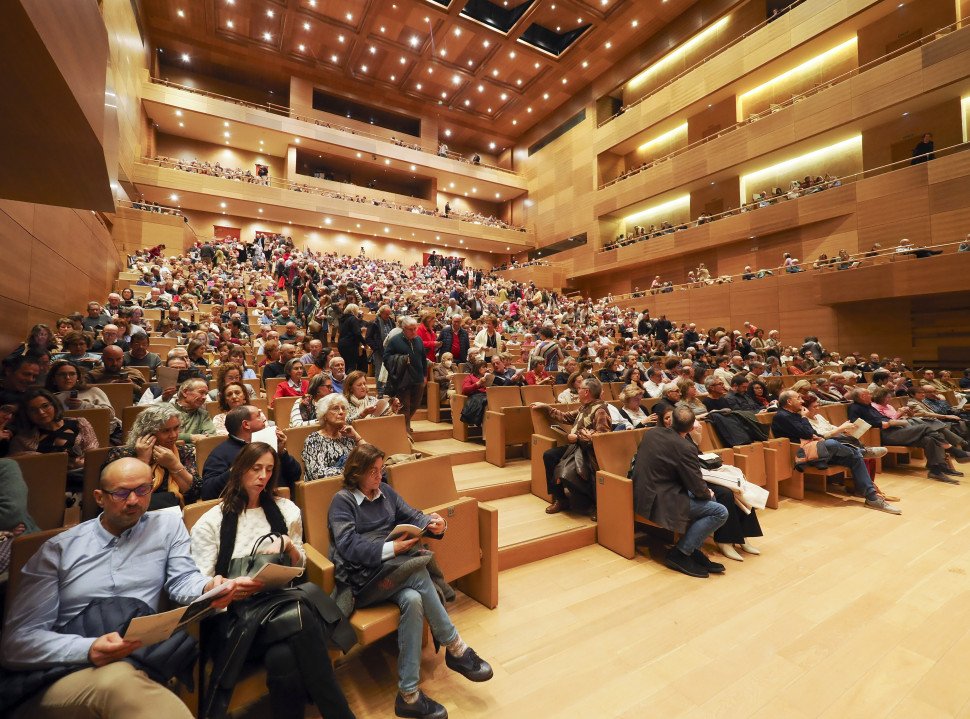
<point x="405" y="531"/>
<point x="859" y="428"/>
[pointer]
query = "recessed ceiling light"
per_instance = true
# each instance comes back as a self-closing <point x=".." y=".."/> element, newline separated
<point x="403" y="60"/>
<point x="481" y="88"/>
<point x="181" y="13"/>
<point x="266" y="36"/>
<point x="585" y="63"/>
<point x="579" y="19"/>
<point x="448" y="133"/>
<point x="269" y="13"/>
<point x="340" y="38"/>
<point x="414" y="41"/>
<point x="185" y="57"/>
<point x="609" y="45"/>
<point x="489" y="109"/>
<point x="558" y="28"/>
<point x="327" y="221"/>
<point x="302" y="47"/>
<point x="427" y="19"/>
<point x="456" y="79"/>
<point x="443" y="53"/>
<point x="226" y="134"/>
<point x="225" y="124"/>
<point x="387" y="162"/>
<point x="333" y="58"/>
<point x="485" y="43"/>
<point x="260" y="142"/>
<point x="173" y="198"/>
<point x="491" y="146"/>
<point x="497" y="195"/>
<point x="222" y="205"/>
<point x="373" y="50"/>
<point x="296" y="140"/>
<point x="413" y="167"/>
<point x="457" y="31"/>
<point x="537" y="66"/>
<point x="469" y="63"/>
<point x="363" y="68"/>
<point x="495" y="72"/>
<point x="515" y="122"/>
<point x="451" y="185"/>
<point x="229" y="24"/>
<point x="313" y="3"/>
<point x="519" y="81"/>
<point x="504" y="96"/>
<point x="393" y="78"/>
<point x="350" y="17"/>
<point x="181" y="124"/>
<point x="260" y="209"/>
<point x="635" y="23"/>
<point x="564" y="81"/>
<point x="430" y="70"/>
<point x="512" y="53"/>
<point x="545" y="96"/>
<point x="905" y="114"/>
<point x="382" y="28"/>
<point x="468" y="102"/>
<point x="358" y="154"/>
<point x="178" y="113"/>
<point x="419" y="86"/>
<point x="528" y="109"/>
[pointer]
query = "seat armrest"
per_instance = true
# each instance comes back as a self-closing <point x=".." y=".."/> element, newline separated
<point x="319" y="569"/>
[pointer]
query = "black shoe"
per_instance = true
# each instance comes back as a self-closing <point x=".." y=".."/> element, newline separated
<point x="682" y="563"/>
<point x="951" y="472"/>
<point x="469" y="665"/>
<point x="423" y="708"/>
<point x="702" y="560"/>
<point x="938" y="474"/>
<point x="960" y="455"/>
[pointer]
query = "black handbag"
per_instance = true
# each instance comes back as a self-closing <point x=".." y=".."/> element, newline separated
<point x="249" y="565"/>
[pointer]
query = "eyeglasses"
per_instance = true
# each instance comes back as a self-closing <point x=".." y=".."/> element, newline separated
<point x="121" y="495"/>
<point x="39" y="407"/>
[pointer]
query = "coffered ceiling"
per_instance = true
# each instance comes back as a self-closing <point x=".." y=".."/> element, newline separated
<point x="449" y="58"/>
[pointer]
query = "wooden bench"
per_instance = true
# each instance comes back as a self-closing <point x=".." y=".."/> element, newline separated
<point x="468" y="553"/>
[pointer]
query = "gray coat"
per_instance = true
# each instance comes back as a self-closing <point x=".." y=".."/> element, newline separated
<point x="666" y="468"/>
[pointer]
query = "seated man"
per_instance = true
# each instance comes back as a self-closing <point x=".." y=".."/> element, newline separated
<point x="109" y="337"/>
<point x="902" y="433"/>
<point x="590" y="418"/>
<point x="113" y="371"/>
<point x="241" y="422"/>
<point x="505" y="376"/>
<point x="654" y="386"/>
<point x="925" y="402"/>
<point x="789" y="422"/>
<point x="190" y="401"/>
<point x="19" y="373"/>
<point x="127" y="553"/>
<point x="668" y="489"/>
<point x="716" y="391"/>
<point x="139" y="356"/>
<point x="738" y="398"/>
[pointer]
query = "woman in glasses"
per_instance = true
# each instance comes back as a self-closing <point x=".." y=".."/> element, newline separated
<point x="152" y="439"/>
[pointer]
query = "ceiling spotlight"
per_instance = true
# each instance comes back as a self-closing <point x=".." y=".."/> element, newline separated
<point x="447" y="133"/>
<point x="564" y="81"/>
<point x="430" y="70"/>
<point x="302" y="47"/>
<point x="485" y="43"/>
<point x="609" y="45"/>
<point x="349" y="17"/>
<point x="403" y="61"/>
<point x="393" y="78"/>
<point x="519" y="81"/>
<point x="515" y="122"/>
<point x="443" y="53"/>
<point x="333" y="58"/>
<point x="226" y="134"/>
<point x="181" y="124"/>
<point x="185" y="57"/>
<point x="387" y="162"/>
<point x="306" y="26"/>
<point x="481" y="88"/>
<point x="489" y="109"/>
<point x="512" y="53"/>
<point x="469" y="63"/>
<point x="413" y="167"/>
<point x="269" y="13"/>
<point x="173" y="198"/>
<point x="528" y="109"/>
<point x="229" y="24"/>
<point x="373" y="50"/>
<point x="635" y="23"/>
<point x="181" y="13"/>
<point x="327" y="221"/>
<point x="178" y="113"/>
<point x="382" y="28"/>
<point x="545" y="96"/>
<point x="467" y="103"/>
<point x="495" y="72"/>
<point x="222" y="205"/>
<point x="296" y="140"/>
<point x="363" y="68"/>
<point x="414" y="41"/>
<point x="418" y="86"/>
<point x="456" y="79"/>
<point x="491" y="146"/>
<point x="260" y="209"/>
<point x="225" y="124"/>
<point x="504" y="96"/>
<point x="266" y="36"/>
<point x="340" y="38"/>
<point x="585" y="63"/>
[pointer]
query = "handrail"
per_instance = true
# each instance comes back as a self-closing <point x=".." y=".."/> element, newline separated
<point x="764" y="23"/>
<point x="775" y="107"/>
<point x="773" y="200"/>
<point x="149" y="207"/>
<point x="868" y="259"/>
<point x="290" y="112"/>
<point x="248" y="177"/>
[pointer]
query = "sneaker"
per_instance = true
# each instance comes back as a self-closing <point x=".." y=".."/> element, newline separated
<point x="702" y="560"/>
<point x="680" y="562"/>
<point x="469" y="665"/>
<point x="873" y="452"/>
<point x="883" y="506"/>
<point x="423" y="708"/>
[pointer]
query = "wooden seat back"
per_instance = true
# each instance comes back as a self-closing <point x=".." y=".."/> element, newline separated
<point x="424" y="482"/>
<point x="500" y="397"/>
<point x="46" y="478"/>
<point x="537" y="393"/>
<point x="389" y="434"/>
<point x="204" y="446"/>
<point x="614" y="451"/>
<point x="271" y="384"/>
<point x="128" y="418"/>
<point x="313" y="499"/>
<point x="296" y="438"/>
<point x="607" y="393"/>
<point x="93" y="460"/>
<point x="100" y="420"/>
<point x="120" y="395"/>
<point x="23" y="548"/>
<point x="281" y="410"/>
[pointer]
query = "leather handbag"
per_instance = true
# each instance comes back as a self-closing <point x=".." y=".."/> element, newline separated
<point x="253" y="562"/>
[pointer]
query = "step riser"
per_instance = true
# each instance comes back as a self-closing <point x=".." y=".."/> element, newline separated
<point x="459" y="458"/>
<point x="498" y="491"/>
<point x="545" y="547"/>
<point x="426" y="435"/>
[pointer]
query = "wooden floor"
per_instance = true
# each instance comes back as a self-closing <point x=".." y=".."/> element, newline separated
<point x="847" y="613"/>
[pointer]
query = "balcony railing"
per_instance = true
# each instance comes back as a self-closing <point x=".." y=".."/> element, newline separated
<point x="290" y="112"/>
<point x="765" y="200"/>
<point x="683" y="73"/>
<point x="146" y="206"/>
<point x="775" y="107"/>
<point x="247" y="177"/>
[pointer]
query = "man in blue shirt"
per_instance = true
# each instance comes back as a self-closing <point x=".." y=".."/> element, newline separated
<point x="122" y="553"/>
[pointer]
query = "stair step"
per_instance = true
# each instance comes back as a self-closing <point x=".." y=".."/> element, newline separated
<point x="420" y="415"/>
<point x="527" y="534"/>
<point x="424" y="431"/>
<point x="459" y="452"/>
<point x="486" y="483"/>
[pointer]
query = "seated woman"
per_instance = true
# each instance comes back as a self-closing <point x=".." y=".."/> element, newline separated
<point x="77" y="346"/>
<point x="361" y="405"/>
<point x="226" y="374"/>
<point x="537" y="374"/>
<point x="64" y="382"/>
<point x="474" y="387"/>
<point x="442" y="372"/>
<point x="39" y="339"/>
<point x="231" y="395"/>
<point x="249" y="510"/>
<point x="196" y="352"/>
<point x="759" y="393"/>
<point x="633" y="376"/>
<point x="611" y="371"/>
<point x="152" y="439"/>
<point x="361" y="516"/>
<point x="304" y="412"/>
<point x="570" y="395"/>
<point x="295" y="385"/>
<point x="631" y="410"/>
<point x="326" y="450"/>
<point x="41" y="428"/>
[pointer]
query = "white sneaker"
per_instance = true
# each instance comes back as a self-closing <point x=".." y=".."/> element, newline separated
<point x="874" y="452"/>
<point x="729" y="551"/>
<point x="881" y="504"/>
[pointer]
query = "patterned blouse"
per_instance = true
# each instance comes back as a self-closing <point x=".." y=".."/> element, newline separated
<point x="160" y="478"/>
<point x="325" y="456"/>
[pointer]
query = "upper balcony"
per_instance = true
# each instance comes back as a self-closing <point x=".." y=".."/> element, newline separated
<point x="203" y="113"/>
<point x="284" y="202"/>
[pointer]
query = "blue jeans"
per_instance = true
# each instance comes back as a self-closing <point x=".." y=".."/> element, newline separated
<point x="706" y="517"/>
<point x="418" y="600"/>
<point x="851" y="457"/>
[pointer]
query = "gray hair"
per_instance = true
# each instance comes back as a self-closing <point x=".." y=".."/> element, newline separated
<point x="711" y="380"/>
<point x="594" y="386"/>
<point x="187" y="385"/>
<point x="150" y="421"/>
<point x="408" y="321"/>
<point x="325" y="404"/>
<point x="786" y="397"/>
